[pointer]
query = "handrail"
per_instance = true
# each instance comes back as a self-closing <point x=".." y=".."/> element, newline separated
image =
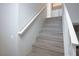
<point x="25" y="28"/>
<point x="72" y="33"/>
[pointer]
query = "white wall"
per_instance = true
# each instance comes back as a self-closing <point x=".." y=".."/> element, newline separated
<point x="57" y="12"/>
<point x="8" y="29"/>
<point x="66" y="34"/>
<point x="73" y="9"/>
<point x="49" y="10"/>
<point x="13" y="17"/>
<point x="69" y="47"/>
<point x="26" y="13"/>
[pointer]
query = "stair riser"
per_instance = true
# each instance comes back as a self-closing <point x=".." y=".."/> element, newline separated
<point x="52" y="30"/>
<point x="59" y="50"/>
<point x="53" y="22"/>
<point x="55" y="18"/>
<point x="44" y="52"/>
<point x="51" y="34"/>
<point x="53" y="38"/>
<point x="51" y="43"/>
<point x="52" y="25"/>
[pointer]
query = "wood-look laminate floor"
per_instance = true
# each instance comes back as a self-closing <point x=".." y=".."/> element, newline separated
<point x="50" y="40"/>
<point x="77" y="51"/>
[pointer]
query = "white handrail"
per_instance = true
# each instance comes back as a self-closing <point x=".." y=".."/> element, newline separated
<point x="21" y="32"/>
<point x="72" y="33"/>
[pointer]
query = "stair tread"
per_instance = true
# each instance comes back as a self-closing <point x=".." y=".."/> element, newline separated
<point x="51" y="30"/>
<point x="47" y="42"/>
<point x="59" y="17"/>
<point x="43" y="52"/>
<point x="51" y="35"/>
<point x="52" y="48"/>
<point x="51" y="39"/>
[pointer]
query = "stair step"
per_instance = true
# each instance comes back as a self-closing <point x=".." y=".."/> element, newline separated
<point x="51" y="30"/>
<point x="50" y="39"/>
<point x="49" y="47"/>
<point x="43" y="52"/>
<point x="50" y="43"/>
<point x="55" y="18"/>
<point x="52" y="34"/>
<point x="52" y="22"/>
<point x="52" y="25"/>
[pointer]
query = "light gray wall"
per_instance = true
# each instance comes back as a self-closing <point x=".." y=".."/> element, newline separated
<point x="69" y="48"/>
<point x="57" y="12"/>
<point x="12" y="18"/>
<point x="73" y="9"/>
<point x="66" y="35"/>
<point x="26" y="12"/>
<point x="8" y="29"/>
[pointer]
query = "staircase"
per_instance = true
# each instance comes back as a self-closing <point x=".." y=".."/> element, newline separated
<point x="50" y="39"/>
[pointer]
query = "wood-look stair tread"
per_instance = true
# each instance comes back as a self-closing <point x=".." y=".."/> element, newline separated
<point x="51" y="43"/>
<point x="48" y="47"/>
<point x="44" y="52"/>
<point x="58" y="18"/>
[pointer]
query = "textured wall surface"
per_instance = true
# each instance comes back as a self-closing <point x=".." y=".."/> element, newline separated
<point x="73" y="9"/>
<point x="14" y="17"/>
<point x="8" y="29"/>
<point x="28" y="38"/>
